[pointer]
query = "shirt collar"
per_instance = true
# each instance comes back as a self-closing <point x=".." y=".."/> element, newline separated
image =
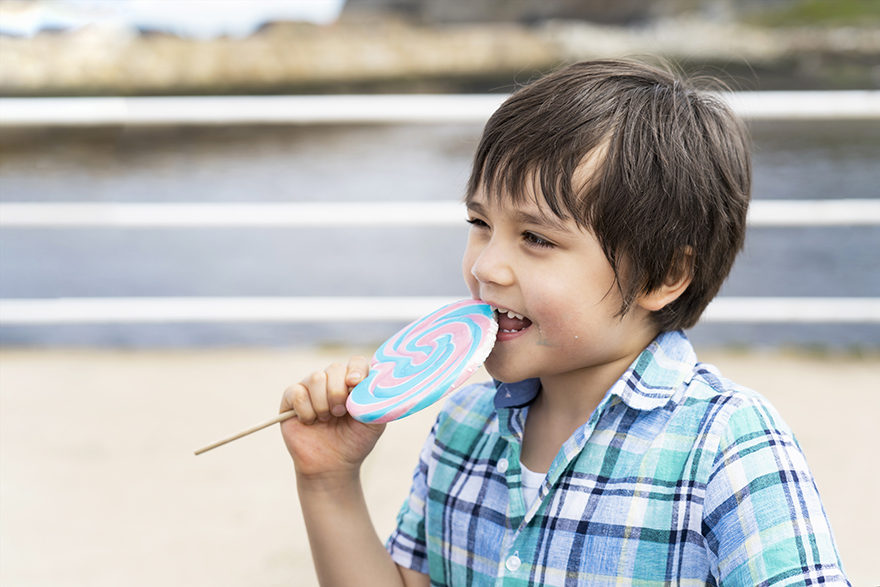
<point x="516" y="395"/>
<point x="647" y="384"/>
<point x="658" y="372"/>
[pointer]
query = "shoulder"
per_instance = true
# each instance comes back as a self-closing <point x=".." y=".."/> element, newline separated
<point x="711" y="417"/>
<point x="731" y="411"/>
<point x="747" y="443"/>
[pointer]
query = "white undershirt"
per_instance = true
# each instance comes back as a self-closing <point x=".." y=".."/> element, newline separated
<point x="531" y="482"/>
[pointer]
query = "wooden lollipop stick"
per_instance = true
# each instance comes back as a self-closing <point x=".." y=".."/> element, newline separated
<point x="279" y="418"/>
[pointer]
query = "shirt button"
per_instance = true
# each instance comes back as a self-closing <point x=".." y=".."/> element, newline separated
<point x="513" y="563"/>
<point x="501" y="467"/>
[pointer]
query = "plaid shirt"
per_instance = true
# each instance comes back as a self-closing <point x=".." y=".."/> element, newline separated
<point x="678" y="477"/>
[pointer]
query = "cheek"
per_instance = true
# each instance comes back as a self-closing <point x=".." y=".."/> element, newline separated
<point x="565" y="315"/>
<point x="549" y="311"/>
<point x="560" y="328"/>
<point x="570" y="335"/>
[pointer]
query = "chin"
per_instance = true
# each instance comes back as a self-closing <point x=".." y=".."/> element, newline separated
<point x="503" y="375"/>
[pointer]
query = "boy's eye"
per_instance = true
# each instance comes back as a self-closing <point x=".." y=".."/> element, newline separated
<point x="477" y="222"/>
<point x="536" y="240"/>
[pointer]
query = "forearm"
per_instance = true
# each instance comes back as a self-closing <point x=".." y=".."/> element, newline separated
<point x="345" y="547"/>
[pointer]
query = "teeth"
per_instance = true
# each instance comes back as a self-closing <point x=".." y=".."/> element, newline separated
<point x="510" y="313"/>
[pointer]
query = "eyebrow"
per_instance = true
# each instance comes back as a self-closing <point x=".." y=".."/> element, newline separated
<point x="550" y="221"/>
<point x="476" y="207"/>
<point x="524" y="217"/>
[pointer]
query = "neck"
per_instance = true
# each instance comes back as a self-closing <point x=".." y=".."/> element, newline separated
<point x="577" y="393"/>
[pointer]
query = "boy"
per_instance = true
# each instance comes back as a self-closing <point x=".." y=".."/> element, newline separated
<point x="607" y="203"/>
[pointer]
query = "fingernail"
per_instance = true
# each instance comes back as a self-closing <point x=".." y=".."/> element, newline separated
<point x="338" y="411"/>
<point x="354" y="377"/>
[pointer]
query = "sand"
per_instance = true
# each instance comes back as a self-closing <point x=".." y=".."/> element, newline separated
<point x="100" y="486"/>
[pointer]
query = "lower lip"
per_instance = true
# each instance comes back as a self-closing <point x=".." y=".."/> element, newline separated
<point x="506" y="336"/>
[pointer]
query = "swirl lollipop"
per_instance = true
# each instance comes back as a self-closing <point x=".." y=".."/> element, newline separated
<point x="416" y="367"/>
<point x="424" y="361"/>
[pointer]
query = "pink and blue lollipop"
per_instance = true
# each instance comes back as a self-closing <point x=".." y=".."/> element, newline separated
<point x="423" y="362"/>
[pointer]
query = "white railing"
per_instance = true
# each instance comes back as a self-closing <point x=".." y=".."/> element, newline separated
<point x="382" y="109"/>
<point x="377" y="309"/>
<point x="851" y="212"/>
<point x="261" y="214"/>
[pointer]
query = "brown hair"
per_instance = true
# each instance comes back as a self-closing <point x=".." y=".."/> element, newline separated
<point x="672" y="184"/>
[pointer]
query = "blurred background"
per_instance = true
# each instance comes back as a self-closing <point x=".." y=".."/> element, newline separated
<point x="173" y="255"/>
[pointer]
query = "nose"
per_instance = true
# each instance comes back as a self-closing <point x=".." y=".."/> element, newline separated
<point x="492" y="264"/>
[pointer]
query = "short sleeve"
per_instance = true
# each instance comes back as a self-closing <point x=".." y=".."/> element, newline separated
<point x="407" y="543"/>
<point x="763" y="522"/>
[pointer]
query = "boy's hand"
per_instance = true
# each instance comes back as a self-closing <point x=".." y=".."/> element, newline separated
<point x="323" y="440"/>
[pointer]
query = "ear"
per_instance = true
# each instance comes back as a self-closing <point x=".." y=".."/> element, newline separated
<point x="677" y="281"/>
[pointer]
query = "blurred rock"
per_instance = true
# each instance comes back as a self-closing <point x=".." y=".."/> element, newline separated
<point x="516" y="11"/>
<point x="618" y="12"/>
<point x="387" y="54"/>
<point x="280" y="57"/>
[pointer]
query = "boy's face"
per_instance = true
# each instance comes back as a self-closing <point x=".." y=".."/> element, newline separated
<point x="553" y="274"/>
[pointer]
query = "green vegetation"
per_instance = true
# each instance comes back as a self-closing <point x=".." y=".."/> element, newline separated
<point x="858" y="13"/>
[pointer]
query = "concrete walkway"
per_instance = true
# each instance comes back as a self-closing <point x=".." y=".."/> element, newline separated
<point x="100" y="486"/>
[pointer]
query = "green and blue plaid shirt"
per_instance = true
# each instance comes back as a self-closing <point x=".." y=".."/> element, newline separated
<point x="679" y="477"/>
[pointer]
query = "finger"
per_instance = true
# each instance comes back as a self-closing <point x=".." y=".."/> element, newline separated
<point x="317" y="386"/>
<point x="354" y="373"/>
<point x="358" y="368"/>
<point x="296" y="397"/>
<point x="337" y="391"/>
<point x="286" y="400"/>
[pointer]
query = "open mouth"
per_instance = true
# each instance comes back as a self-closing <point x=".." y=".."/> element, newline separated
<point x="510" y="322"/>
